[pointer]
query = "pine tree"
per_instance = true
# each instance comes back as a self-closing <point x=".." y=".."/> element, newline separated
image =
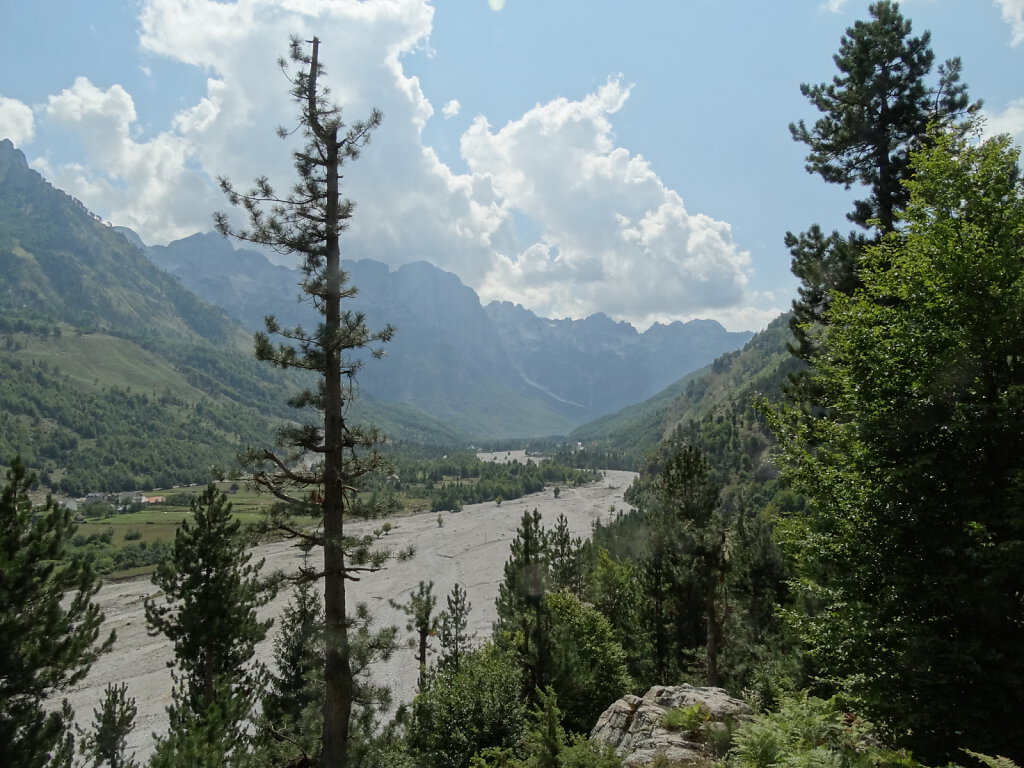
<point x="423" y="622"/>
<point x="566" y="558"/>
<point x="874" y="112"/>
<point x="323" y="460"/>
<point x="49" y="626"/>
<point x="522" y="610"/>
<point x="296" y="681"/>
<point x="455" y="643"/>
<point x="104" y="745"/>
<point x="210" y="595"/>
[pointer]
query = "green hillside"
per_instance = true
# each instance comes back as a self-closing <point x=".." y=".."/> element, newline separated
<point x="728" y="385"/>
<point x="115" y="376"/>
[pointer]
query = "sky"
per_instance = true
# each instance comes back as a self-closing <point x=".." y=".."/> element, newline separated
<point x="572" y="156"/>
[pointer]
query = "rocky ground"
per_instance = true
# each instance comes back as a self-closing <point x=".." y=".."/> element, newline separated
<point x="470" y="548"/>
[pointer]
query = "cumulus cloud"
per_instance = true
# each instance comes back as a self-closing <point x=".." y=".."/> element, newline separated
<point x="452" y="108"/>
<point x="16" y="121"/>
<point x="614" y="237"/>
<point x="552" y="212"/>
<point x="1013" y="14"/>
<point x="1010" y="120"/>
<point x="135" y="180"/>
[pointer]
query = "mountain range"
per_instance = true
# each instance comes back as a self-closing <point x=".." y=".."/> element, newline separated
<point x="128" y="366"/>
<point x="492" y="371"/>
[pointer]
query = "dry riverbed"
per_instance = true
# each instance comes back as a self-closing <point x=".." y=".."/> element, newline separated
<point x="470" y="548"/>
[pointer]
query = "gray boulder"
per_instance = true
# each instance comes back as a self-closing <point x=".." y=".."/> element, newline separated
<point x="634" y="726"/>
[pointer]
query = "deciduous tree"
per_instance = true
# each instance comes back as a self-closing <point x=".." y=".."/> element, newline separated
<point x="911" y="543"/>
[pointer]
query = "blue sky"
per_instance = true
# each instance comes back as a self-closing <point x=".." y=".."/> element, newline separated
<point x="574" y="156"/>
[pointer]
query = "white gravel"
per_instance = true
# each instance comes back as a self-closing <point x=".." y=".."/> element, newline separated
<point x="470" y="548"/>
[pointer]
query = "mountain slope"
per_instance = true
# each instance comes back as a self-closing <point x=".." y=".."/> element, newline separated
<point x="493" y="372"/>
<point x="115" y="375"/>
<point x="728" y="385"/>
<point x="604" y="365"/>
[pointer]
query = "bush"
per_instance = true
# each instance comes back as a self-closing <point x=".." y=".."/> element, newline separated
<point x="808" y="731"/>
<point x="466" y="710"/>
<point x="686" y="719"/>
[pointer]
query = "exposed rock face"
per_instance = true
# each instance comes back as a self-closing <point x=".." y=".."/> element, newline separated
<point x="633" y="725"/>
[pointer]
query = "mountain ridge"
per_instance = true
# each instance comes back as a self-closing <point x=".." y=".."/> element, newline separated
<point x="494" y="371"/>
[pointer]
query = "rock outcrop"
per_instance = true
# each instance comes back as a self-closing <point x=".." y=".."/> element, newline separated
<point x="635" y="727"/>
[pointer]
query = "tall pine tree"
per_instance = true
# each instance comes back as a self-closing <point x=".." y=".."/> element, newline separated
<point x="873" y="113"/>
<point x="322" y="460"/>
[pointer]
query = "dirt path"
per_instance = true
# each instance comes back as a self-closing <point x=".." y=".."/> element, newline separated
<point x="470" y="548"/>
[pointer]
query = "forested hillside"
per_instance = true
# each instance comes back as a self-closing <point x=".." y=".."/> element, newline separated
<point x="116" y="376"/>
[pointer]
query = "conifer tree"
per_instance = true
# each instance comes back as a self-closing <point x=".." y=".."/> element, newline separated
<point x="105" y="744"/>
<point x="566" y="553"/>
<point x="455" y="643"/>
<point x="522" y="610"/>
<point x="322" y="460"/>
<point x="49" y="626"/>
<point x="296" y="681"/>
<point x="423" y="622"/>
<point x="210" y="596"/>
<point x="874" y="112"/>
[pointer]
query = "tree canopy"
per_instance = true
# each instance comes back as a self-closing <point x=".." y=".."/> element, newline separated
<point x="912" y="539"/>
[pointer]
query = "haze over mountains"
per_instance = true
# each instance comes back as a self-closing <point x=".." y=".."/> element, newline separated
<point x="138" y="375"/>
<point x="497" y="370"/>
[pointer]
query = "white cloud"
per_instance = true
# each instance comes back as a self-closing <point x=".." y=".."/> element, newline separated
<point x="834" y="5"/>
<point x="1010" y="120"/>
<point x="451" y="109"/>
<point x="612" y="237"/>
<point x="132" y="182"/>
<point x="16" y="121"/>
<point x="1013" y="14"/>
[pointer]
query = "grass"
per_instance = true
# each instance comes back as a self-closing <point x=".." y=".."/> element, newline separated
<point x="98" y="361"/>
<point x="158" y="523"/>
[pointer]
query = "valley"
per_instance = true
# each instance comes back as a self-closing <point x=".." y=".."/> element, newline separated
<point x="470" y="548"/>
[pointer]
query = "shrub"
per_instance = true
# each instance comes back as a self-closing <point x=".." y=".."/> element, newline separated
<point x="689" y="719"/>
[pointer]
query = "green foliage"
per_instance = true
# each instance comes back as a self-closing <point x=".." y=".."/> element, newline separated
<point x="909" y="550"/>
<point x="992" y="762"/>
<point x="115" y="438"/>
<point x="588" y="666"/>
<point x="210" y="596"/>
<point x="547" y="745"/>
<point x="49" y="626"/>
<point x="689" y="719"/>
<point x="423" y="622"/>
<point x="686" y="556"/>
<point x="806" y="732"/>
<point x="210" y="735"/>
<point x="455" y="643"/>
<point x="466" y="710"/>
<point x="523" y="620"/>
<point x="296" y="679"/>
<point x="875" y="111"/>
<point x="105" y="743"/>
